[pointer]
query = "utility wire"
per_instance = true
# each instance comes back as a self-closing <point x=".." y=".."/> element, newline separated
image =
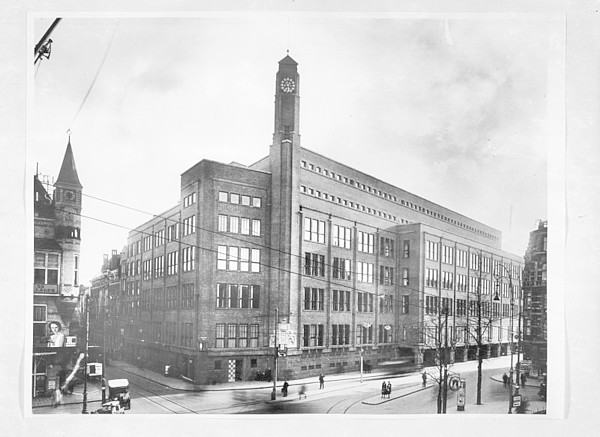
<point x="313" y="278"/>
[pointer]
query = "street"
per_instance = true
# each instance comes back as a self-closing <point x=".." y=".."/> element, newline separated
<point x="340" y="396"/>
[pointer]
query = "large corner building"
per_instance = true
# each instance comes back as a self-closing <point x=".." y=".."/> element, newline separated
<point x="302" y="251"/>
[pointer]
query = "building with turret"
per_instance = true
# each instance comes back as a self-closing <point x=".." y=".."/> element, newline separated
<point x="301" y="252"/>
<point x="57" y="238"/>
<point x="535" y="298"/>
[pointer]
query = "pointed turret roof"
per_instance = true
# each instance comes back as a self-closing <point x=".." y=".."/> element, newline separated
<point x="288" y="61"/>
<point x="68" y="171"/>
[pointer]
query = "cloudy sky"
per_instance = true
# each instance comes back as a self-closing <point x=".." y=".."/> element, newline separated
<point x="457" y="109"/>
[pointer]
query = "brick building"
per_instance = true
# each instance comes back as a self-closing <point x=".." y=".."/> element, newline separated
<point x="535" y="321"/>
<point x="346" y="263"/>
<point x="57" y="225"/>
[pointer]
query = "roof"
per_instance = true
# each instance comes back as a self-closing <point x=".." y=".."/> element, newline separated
<point x="68" y="171"/>
<point x="288" y="61"/>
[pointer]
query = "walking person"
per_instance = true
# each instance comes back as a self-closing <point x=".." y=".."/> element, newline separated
<point x="424" y="376"/>
<point x="321" y="382"/>
<point x="389" y="389"/>
<point x="523" y="379"/>
<point x="383" y="389"/>
<point x="505" y="379"/>
<point x="284" y="389"/>
<point x="302" y="392"/>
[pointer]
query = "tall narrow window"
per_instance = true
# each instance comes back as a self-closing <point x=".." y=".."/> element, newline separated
<point x="76" y="272"/>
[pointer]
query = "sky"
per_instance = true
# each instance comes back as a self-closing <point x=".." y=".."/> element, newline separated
<point x="457" y="109"/>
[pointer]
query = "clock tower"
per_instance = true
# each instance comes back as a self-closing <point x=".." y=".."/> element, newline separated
<point x="284" y="161"/>
<point x="67" y="208"/>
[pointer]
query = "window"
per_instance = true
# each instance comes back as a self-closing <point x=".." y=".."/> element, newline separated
<point x="189" y="200"/>
<point x="238" y="296"/>
<point x="386" y="275"/>
<point x="39" y="321"/>
<point x="405" y="277"/>
<point x="76" y="271"/>
<point x="173" y="232"/>
<point x="189" y="225"/>
<point x="447" y="254"/>
<point x="386" y="333"/>
<point x="364" y="302"/>
<point x="256" y="228"/>
<point x="234" y="225"/>
<point x="386" y="304"/>
<point x="364" y="272"/>
<point x="172" y="263"/>
<point x="431" y="304"/>
<point x="342" y="268"/>
<point x="147" y="270"/>
<point x="447" y="305"/>
<point x="365" y="242"/>
<point x="245" y="200"/>
<point x="314" y="264"/>
<point x="364" y="334"/>
<point x="341" y="236"/>
<point x="406" y="251"/>
<point x="231" y="334"/>
<point x="253" y="335"/>
<point x="233" y="258"/>
<point x="249" y="296"/>
<point x="242" y="335"/>
<point x="314" y="230"/>
<point x="473" y="284"/>
<point x="46" y="268"/>
<point x="313" y="335"/>
<point x="255" y="261"/>
<point x="187" y="258"/>
<point x="234" y="198"/>
<point x="461" y="258"/>
<point x="222" y="224"/>
<point x="314" y="299"/>
<point x="223" y="196"/>
<point x="340" y="335"/>
<point x="187" y="336"/>
<point x="159" y="238"/>
<point x="187" y="295"/>
<point x="405" y="304"/>
<point x="431" y="279"/>
<point x="448" y="280"/>
<point x="432" y="251"/>
<point x="220" y="336"/>
<point x="461" y="282"/>
<point x="256" y="202"/>
<point x="159" y="266"/>
<point x="461" y="307"/>
<point x="386" y="247"/>
<point x="474" y="260"/>
<point x="237" y="259"/>
<point x="340" y="300"/>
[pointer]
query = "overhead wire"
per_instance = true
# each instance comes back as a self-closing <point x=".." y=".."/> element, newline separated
<point x="342" y="285"/>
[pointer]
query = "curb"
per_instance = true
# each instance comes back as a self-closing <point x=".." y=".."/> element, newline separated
<point x="383" y="401"/>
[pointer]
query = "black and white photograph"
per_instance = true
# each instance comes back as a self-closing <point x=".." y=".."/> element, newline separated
<point x="297" y="217"/>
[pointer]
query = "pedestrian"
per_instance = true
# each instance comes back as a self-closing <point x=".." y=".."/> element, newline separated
<point x="284" y="389"/>
<point x="389" y="389"/>
<point x="383" y="389"/>
<point x="523" y="379"/>
<point x="302" y="392"/>
<point x="424" y="376"/>
<point x="56" y="398"/>
<point x="505" y="379"/>
<point x="321" y="381"/>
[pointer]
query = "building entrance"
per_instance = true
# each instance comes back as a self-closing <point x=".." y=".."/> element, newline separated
<point x="234" y="370"/>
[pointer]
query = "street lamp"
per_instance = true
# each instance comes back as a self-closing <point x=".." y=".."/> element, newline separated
<point x="511" y="327"/>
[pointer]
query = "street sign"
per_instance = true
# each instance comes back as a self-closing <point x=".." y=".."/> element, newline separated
<point x="454" y="383"/>
<point x="517" y="401"/>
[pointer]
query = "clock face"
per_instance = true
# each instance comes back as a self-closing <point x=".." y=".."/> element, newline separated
<point x="287" y="85"/>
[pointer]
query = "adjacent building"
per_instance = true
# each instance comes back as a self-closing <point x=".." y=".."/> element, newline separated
<point x="301" y="251"/>
<point x="535" y="321"/>
<point x="57" y="237"/>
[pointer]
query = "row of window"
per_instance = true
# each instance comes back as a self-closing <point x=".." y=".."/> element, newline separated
<point x="239" y="225"/>
<point x="390" y="197"/>
<point x="314" y="300"/>
<point x="475" y="284"/>
<point x="239" y="335"/>
<point x="239" y="199"/>
<point x="160" y="237"/>
<point x="160" y="298"/>
<point x="238" y="296"/>
<point x="433" y="306"/>
<point x="313" y="335"/>
<point x="238" y="259"/>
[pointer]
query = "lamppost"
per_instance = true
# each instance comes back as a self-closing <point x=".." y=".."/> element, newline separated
<point x="511" y="333"/>
<point x="104" y="339"/>
<point x="87" y="341"/>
